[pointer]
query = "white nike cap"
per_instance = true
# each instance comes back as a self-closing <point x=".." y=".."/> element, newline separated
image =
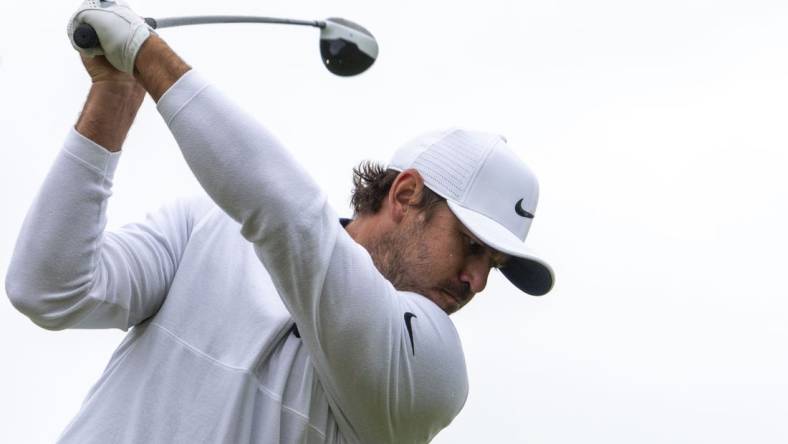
<point x="490" y="190"/>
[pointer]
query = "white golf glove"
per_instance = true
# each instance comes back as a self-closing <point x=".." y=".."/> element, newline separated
<point x="120" y="31"/>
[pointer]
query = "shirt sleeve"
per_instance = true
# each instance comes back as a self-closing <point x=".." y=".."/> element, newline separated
<point x="68" y="272"/>
<point x="390" y="376"/>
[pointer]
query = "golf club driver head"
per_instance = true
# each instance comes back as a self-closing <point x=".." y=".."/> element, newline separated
<point x="347" y="48"/>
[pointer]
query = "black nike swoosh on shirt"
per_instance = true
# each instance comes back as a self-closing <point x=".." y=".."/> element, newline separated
<point x="408" y="317"/>
<point x="294" y="331"/>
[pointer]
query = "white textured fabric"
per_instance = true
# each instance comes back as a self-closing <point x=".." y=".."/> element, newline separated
<point x="212" y="354"/>
<point x="450" y="165"/>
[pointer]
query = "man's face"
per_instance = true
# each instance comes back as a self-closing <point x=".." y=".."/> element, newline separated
<point x="434" y="255"/>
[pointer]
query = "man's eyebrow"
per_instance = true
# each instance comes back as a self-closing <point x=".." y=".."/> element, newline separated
<point x="467" y="232"/>
<point x="477" y="240"/>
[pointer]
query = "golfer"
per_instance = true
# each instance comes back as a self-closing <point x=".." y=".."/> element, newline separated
<point x="255" y="314"/>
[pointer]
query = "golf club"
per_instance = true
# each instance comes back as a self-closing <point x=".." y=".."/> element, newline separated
<point x="346" y="48"/>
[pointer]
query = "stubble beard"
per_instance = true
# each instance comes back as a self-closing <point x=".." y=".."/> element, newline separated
<point x="402" y="258"/>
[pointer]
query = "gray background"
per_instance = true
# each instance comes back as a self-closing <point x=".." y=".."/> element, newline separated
<point x="657" y="130"/>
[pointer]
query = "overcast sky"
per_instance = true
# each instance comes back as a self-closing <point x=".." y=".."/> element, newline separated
<point x="657" y="130"/>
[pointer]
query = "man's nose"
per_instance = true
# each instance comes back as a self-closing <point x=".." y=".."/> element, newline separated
<point x="475" y="274"/>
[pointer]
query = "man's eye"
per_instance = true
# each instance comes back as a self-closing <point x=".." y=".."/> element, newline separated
<point x="475" y="247"/>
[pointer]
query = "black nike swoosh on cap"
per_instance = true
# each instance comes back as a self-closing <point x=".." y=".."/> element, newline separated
<point x="518" y="208"/>
<point x="408" y="317"/>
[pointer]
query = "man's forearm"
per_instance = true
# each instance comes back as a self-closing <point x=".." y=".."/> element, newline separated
<point x="157" y="67"/>
<point x="112" y="105"/>
<point x="109" y="112"/>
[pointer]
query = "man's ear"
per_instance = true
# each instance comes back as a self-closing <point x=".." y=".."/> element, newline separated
<point x="405" y="191"/>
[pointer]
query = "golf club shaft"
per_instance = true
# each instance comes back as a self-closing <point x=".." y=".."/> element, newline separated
<point x="85" y="36"/>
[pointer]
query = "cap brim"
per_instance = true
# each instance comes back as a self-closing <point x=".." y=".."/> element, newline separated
<point x="525" y="270"/>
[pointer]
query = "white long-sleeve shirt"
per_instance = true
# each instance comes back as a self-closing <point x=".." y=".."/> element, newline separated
<point x="253" y="316"/>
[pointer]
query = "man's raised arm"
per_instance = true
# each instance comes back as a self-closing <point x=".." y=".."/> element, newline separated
<point x="66" y="270"/>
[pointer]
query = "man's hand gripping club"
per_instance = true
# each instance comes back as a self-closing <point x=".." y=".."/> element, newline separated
<point x="121" y="32"/>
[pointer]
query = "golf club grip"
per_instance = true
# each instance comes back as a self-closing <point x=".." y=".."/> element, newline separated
<point x="85" y="36"/>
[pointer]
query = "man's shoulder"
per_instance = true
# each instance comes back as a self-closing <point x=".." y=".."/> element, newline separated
<point x="436" y="373"/>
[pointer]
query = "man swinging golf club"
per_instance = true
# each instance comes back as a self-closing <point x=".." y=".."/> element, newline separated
<point x="299" y="329"/>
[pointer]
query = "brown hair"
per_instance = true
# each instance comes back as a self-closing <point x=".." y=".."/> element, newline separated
<point x="371" y="184"/>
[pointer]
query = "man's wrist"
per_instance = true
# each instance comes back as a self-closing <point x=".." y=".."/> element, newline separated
<point x="121" y="89"/>
<point x="158" y="67"/>
<point x="109" y="112"/>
